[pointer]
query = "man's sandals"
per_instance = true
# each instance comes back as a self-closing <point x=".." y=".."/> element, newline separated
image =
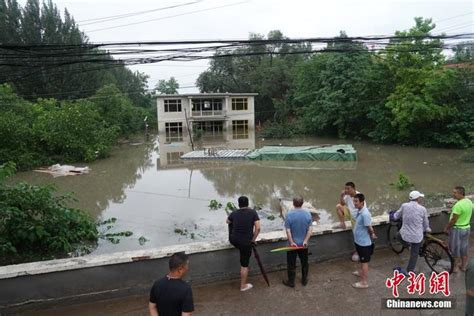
<point x="359" y="285"/>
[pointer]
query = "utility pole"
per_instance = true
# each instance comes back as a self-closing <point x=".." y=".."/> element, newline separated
<point x="189" y="131"/>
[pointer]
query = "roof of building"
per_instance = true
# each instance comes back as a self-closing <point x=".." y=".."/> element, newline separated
<point x="191" y="95"/>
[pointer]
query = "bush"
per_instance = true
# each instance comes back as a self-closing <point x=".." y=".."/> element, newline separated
<point x="403" y="182"/>
<point x="74" y="131"/>
<point x="50" y="131"/>
<point x="117" y="110"/>
<point x="274" y="129"/>
<point x="17" y="141"/>
<point x="36" y="225"/>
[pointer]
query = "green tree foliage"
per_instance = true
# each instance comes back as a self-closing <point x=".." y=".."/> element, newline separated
<point x="117" y="110"/>
<point x="242" y="70"/>
<point x="407" y="93"/>
<point x="36" y="224"/>
<point x="463" y="52"/>
<point x="61" y="72"/>
<point x="74" y="131"/>
<point x="332" y="89"/>
<point x="170" y="86"/>
<point x="418" y="108"/>
<point x="52" y="131"/>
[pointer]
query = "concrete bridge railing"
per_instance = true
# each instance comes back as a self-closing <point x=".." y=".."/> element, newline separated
<point x="94" y="277"/>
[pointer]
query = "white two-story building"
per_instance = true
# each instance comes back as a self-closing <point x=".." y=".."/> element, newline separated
<point x="216" y="119"/>
<point x="217" y="116"/>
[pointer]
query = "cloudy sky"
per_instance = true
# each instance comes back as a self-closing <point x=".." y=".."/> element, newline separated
<point x="235" y="19"/>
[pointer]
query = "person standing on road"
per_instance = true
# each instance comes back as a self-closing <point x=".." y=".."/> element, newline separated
<point x="364" y="235"/>
<point x="171" y="295"/>
<point x="414" y="223"/>
<point x="244" y="226"/>
<point x="298" y="229"/>
<point x="459" y="228"/>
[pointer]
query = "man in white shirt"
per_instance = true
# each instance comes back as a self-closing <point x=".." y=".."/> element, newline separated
<point x="346" y="209"/>
<point x="414" y="223"/>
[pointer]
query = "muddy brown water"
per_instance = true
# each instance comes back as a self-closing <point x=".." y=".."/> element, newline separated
<point x="166" y="200"/>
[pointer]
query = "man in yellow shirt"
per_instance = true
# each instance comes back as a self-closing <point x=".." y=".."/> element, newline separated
<point x="459" y="228"/>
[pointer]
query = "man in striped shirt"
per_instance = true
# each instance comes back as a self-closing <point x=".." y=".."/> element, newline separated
<point x="415" y="222"/>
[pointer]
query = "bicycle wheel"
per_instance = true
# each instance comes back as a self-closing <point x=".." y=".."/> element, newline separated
<point x="438" y="257"/>
<point x="393" y="241"/>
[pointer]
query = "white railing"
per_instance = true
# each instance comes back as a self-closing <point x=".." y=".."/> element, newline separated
<point x="207" y="113"/>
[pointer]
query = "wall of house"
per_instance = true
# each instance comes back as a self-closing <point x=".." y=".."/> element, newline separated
<point x="231" y="115"/>
<point x="248" y="115"/>
<point x="92" y="277"/>
<point x="164" y="117"/>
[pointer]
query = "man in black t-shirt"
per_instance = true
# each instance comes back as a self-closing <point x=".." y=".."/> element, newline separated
<point x="244" y="228"/>
<point x="171" y="295"/>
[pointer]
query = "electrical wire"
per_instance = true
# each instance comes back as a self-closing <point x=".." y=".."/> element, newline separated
<point x="127" y="15"/>
<point x="166" y="17"/>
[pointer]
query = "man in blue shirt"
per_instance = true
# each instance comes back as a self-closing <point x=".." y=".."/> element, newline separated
<point x="363" y="236"/>
<point x="298" y="230"/>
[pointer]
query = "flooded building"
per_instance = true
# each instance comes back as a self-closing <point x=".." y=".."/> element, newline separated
<point x="204" y="120"/>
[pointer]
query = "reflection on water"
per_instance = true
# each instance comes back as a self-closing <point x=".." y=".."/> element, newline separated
<point x="155" y="193"/>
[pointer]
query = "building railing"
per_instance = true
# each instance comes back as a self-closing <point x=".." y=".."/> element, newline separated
<point x="207" y="113"/>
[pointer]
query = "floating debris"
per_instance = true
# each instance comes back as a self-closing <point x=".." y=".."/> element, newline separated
<point x="142" y="240"/>
<point x="214" y="205"/>
<point x="182" y="232"/>
<point x="58" y="170"/>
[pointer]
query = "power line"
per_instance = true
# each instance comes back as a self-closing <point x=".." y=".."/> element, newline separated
<point x="461" y="27"/>
<point x="262" y="42"/>
<point x="166" y="17"/>
<point x="127" y="15"/>
<point x="454" y="17"/>
<point x="455" y="26"/>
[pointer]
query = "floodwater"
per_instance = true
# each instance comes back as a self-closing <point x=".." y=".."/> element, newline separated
<point x="165" y="200"/>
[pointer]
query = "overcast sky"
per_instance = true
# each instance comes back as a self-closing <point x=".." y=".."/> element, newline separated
<point x="231" y="19"/>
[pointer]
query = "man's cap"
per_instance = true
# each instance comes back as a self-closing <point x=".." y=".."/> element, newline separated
<point x="415" y="194"/>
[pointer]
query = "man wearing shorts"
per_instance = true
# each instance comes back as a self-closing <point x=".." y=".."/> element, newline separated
<point x="244" y="226"/>
<point x="363" y="236"/>
<point x="459" y="228"/>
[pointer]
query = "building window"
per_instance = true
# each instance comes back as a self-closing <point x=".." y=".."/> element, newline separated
<point x="208" y="130"/>
<point x="173" y="105"/>
<point x="240" y="129"/>
<point x="206" y="107"/>
<point x="239" y="104"/>
<point x="174" y="132"/>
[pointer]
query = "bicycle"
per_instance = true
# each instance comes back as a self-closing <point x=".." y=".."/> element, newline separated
<point x="434" y="250"/>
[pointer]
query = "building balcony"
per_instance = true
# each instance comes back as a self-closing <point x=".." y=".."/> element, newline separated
<point x="208" y="114"/>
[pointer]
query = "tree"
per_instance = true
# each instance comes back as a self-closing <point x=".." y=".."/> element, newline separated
<point x="68" y="71"/>
<point x="416" y="112"/>
<point x="36" y="223"/>
<point x="261" y="68"/>
<point x="170" y="86"/>
<point x="332" y="89"/>
<point x="464" y="52"/>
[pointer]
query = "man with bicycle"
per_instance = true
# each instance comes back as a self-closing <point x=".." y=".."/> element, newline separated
<point x="414" y="223"/>
<point x="459" y="228"/>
